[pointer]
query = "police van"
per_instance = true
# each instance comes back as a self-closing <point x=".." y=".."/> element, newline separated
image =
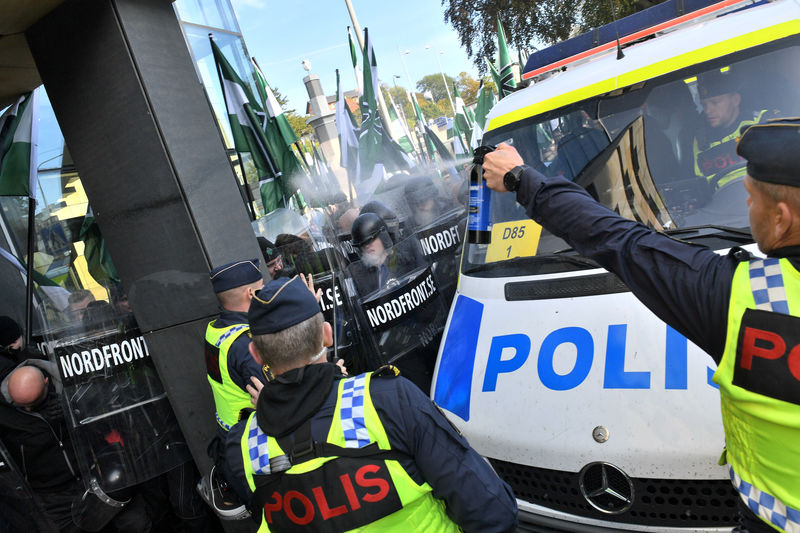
<point x="600" y="416"/>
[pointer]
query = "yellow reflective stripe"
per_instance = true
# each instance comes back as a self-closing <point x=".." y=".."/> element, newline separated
<point x="719" y="49"/>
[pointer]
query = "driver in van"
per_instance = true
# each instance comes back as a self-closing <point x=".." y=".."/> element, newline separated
<point x="744" y="312"/>
<point x="714" y="146"/>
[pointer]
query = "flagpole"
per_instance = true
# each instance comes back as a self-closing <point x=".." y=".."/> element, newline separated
<point x="32" y="178"/>
<point x="382" y="109"/>
<point x="29" y="270"/>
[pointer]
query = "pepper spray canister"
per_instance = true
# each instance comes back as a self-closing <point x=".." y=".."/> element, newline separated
<point x="479" y="222"/>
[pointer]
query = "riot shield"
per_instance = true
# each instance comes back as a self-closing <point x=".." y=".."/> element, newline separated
<point x="122" y="425"/>
<point x="429" y="214"/>
<point x="20" y="508"/>
<point x="400" y="310"/>
<point x="438" y="223"/>
<point x="311" y="248"/>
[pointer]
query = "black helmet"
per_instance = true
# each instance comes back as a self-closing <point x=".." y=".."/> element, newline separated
<point x="367" y="227"/>
<point x="418" y="190"/>
<point x="387" y="214"/>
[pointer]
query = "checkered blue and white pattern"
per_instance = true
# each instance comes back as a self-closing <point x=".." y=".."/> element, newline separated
<point x="766" y="281"/>
<point x="352" y="413"/>
<point x="222" y="424"/>
<point x="230" y="332"/>
<point x="767" y="506"/>
<point x="257" y="446"/>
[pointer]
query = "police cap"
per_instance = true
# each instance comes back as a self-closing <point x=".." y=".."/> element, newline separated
<point x="234" y="275"/>
<point x="772" y="151"/>
<point x="717" y="82"/>
<point x="281" y="304"/>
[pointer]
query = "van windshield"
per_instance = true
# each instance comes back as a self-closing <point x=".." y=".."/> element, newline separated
<point x="662" y="152"/>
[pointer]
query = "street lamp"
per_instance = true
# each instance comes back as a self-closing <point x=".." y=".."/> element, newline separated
<point x="403" y="61"/>
<point x="444" y="79"/>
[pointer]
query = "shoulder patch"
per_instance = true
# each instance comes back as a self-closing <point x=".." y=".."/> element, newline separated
<point x="386" y="371"/>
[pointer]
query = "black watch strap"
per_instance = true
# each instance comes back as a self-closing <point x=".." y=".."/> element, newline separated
<point x="511" y="180"/>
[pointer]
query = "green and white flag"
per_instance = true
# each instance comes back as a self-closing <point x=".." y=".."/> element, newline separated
<point x="18" y="140"/>
<point x="422" y="127"/>
<point x="482" y="108"/>
<point x="248" y="137"/>
<point x="377" y="151"/>
<point x="399" y="125"/>
<point x="354" y="58"/>
<point x="504" y="64"/>
<point x="95" y="252"/>
<point x="462" y="118"/>
<point x="279" y="133"/>
<point x="348" y="138"/>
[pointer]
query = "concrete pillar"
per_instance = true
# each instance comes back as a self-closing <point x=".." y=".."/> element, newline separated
<point x="323" y="120"/>
<point x="152" y="162"/>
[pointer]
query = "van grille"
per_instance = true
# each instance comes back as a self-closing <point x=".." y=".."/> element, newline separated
<point x="658" y="502"/>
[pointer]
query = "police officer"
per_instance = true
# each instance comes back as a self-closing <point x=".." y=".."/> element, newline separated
<point x="333" y="453"/>
<point x="228" y="362"/>
<point x="744" y="312"/>
<point x="714" y="147"/>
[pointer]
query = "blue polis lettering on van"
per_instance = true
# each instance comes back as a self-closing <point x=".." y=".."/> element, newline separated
<point x="454" y="380"/>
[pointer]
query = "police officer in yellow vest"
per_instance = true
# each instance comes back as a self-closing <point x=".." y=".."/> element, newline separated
<point x="744" y="312"/>
<point x="714" y="146"/>
<point x="327" y="452"/>
<point x="229" y="365"/>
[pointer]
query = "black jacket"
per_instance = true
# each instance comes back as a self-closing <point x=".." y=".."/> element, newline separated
<point x="38" y="440"/>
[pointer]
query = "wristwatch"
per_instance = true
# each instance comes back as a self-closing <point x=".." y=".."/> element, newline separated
<point x="511" y="179"/>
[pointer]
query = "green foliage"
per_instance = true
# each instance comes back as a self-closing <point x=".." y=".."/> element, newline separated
<point x="528" y="23"/>
<point x="297" y="122"/>
<point x="468" y="87"/>
<point x="435" y="84"/>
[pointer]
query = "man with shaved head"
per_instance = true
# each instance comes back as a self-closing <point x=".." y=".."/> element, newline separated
<point x="34" y="431"/>
<point x="27" y="387"/>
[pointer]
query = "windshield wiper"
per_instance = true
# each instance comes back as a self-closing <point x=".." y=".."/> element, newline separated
<point x="711" y="231"/>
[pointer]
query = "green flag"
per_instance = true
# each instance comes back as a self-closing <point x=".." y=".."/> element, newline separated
<point x="279" y="133"/>
<point x="377" y="151"/>
<point x="97" y="257"/>
<point x="354" y="58"/>
<point x="405" y="139"/>
<point x="504" y="64"/>
<point x="17" y="151"/>
<point x="370" y="139"/>
<point x="248" y="137"/>
<point x="422" y="127"/>
<point x="482" y="108"/>
<point x="462" y="118"/>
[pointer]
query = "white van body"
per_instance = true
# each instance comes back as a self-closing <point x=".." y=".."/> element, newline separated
<point x="561" y="378"/>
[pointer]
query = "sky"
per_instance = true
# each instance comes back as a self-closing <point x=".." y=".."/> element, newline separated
<point x="280" y="34"/>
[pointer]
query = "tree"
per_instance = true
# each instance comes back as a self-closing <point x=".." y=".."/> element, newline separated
<point x="297" y="122"/>
<point x="527" y="22"/>
<point x="468" y="87"/>
<point x="435" y="84"/>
